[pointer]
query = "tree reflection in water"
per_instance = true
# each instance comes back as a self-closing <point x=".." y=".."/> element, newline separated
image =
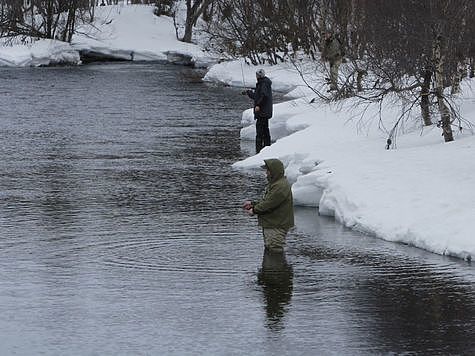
<point x="276" y="279"/>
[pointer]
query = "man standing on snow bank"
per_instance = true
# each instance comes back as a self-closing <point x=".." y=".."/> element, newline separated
<point x="275" y="211"/>
<point x="262" y="97"/>
<point x="332" y="53"/>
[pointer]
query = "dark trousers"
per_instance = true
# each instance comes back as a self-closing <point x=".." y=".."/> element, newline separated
<point x="262" y="134"/>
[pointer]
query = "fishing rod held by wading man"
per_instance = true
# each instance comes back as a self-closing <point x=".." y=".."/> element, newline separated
<point x="275" y="211"/>
<point x="262" y="96"/>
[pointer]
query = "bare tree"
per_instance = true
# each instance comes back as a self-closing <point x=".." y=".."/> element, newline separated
<point x="54" y="19"/>
<point x="194" y="9"/>
<point x="414" y="48"/>
<point x="265" y="31"/>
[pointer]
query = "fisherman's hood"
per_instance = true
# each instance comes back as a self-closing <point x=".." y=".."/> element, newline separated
<point x="276" y="168"/>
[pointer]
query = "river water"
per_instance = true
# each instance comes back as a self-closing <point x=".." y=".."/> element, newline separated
<point x="122" y="234"/>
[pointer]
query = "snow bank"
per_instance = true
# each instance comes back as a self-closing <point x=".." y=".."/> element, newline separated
<point x="133" y="32"/>
<point x="126" y="32"/>
<point x="240" y="74"/>
<point x="39" y="53"/>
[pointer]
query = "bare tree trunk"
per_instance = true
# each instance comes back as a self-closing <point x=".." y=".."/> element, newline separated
<point x="425" y="103"/>
<point x="322" y="20"/>
<point x="193" y="12"/>
<point x="71" y="22"/>
<point x="461" y="73"/>
<point x="32" y="8"/>
<point x="49" y="19"/>
<point x="92" y="10"/>
<point x="444" y="118"/>
<point x="189" y="23"/>
<point x="359" y="79"/>
<point x="445" y="122"/>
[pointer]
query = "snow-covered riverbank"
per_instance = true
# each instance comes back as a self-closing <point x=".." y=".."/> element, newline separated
<point x="124" y="32"/>
<point x="420" y="193"/>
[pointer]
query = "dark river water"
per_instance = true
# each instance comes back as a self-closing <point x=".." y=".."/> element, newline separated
<point x="122" y="234"/>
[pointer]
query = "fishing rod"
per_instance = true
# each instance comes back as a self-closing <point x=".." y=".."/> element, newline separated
<point x="244" y="92"/>
<point x="243" y="79"/>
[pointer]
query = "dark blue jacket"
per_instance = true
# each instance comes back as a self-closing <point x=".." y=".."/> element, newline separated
<point x="262" y="97"/>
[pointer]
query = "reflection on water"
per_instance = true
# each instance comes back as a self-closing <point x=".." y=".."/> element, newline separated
<point x="392" y="297"/>
<point x="275" y="277"/>
<point x="122" y="233"/>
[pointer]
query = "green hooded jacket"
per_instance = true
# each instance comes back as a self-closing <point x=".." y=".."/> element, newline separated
<point x="276" y="208"/>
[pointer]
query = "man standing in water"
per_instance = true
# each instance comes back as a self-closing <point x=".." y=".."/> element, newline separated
<point x="275" y="211"/>
<point x="262" y="97"/>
